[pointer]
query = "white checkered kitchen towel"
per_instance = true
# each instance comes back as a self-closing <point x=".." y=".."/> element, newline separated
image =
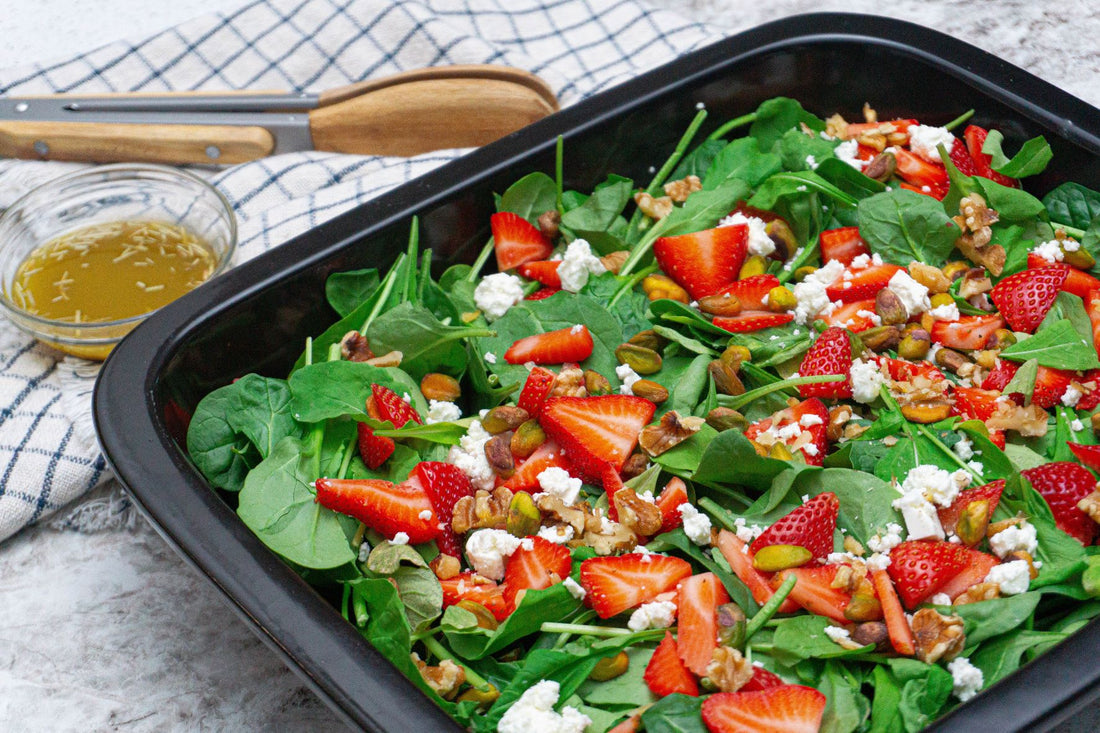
<point x="48" y="454"/>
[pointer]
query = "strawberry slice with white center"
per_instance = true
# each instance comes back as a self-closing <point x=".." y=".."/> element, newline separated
<point x="920" y="173"/>
<point x="843" y="245"/>
<point x="901" y="370"/>
<point x="619" y="583"/>
<point x="543" y="565"/>
<point x="704" y="262"/>
<point x="830" y="355"/>
<point x="383" y="506"/>
<point x="978" y="565"/>
<point x="810" y="526"/>
<point x="857" y="316"/>
<point x="665" y="674"/>
<point x="1063" y="485"/>
<point x="697" y="620"/>
<point x="553" y="347"/>
<point x="748" y="321"/>
<point x="516" y="241"/>
<point x="543" y="271"/>
<point x="920" y="568"/>
<point x="973" y="403"/>
<point x="445" y="484"/>
<point x="968" y="333"/>
<point x="752" y="291"/>
<point x="595" y="431"/>
<point x="1024" y="299"/>
<point x="669" y="501"/>
<point x="785" y="709"/>
<point x="861" y="284"/>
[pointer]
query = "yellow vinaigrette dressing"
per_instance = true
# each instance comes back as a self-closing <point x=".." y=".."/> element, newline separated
<point x="111" y="271"/>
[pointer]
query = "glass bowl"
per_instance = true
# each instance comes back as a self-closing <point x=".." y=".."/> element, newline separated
<point x="102" y="195"/>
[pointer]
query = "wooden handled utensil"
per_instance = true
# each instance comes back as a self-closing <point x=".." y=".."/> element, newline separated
<point x="404" y="114"/>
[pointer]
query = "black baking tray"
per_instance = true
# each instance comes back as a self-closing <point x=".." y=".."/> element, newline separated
<point x="256" y="318"/>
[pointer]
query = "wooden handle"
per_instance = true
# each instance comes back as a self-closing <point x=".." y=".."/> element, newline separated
<point x="93" y="142"/>
<point x="430" y="73"/>
<point x="420" y="116"/>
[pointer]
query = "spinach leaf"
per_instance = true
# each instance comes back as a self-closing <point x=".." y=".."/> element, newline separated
<point x="628" y="690"/>
<point x="331" y="389"/>
<point x="675" y="713"/>
<point x="1011" y="204"/>
<point x="741" y="160"/>
<point x="803" y="637"/>
<point x="773" y="346"/>
<point x="796" y="184"/>
<point x="902" y="226"/>
<point x="800" y="152"/>
<point x="1031" y="159"/>
<point x="730" y="460"/>
<point x="673" y="311"/>
<point x="698" y="161"/>
<point x="846" y="708"/>
<point x="686" y="458"/>
<point x="629" y="310"/>
<point x="419" y="589"/>
<point x="426" y="344"/>
<point x="1058" y="346"/>
<point x="1073" y="204"/>
<point x="346" y="290"/>
<point x="848" y="179"/>
<point x="1022" y="457"/>
<point x="885" y="716"/>
<point x="470" y="641"/>
<point x="530" y="197"/>
<point x="776" y="116"/>
<point x="690" y="386"/>
<point x="1023" y="381"/>
<point x="865" y="500"/>
<point x="925" y="690"/>
<point x="987" y="619"/>
<point x="600" y="210"/>
<point x="1000" y="657"/>
<point x="703" y="209"/>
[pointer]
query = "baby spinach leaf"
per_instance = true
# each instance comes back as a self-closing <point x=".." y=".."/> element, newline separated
<point x="800" y="152"/>
<point x="773" y="346"/>
<point x="426" y="344"/>
<point x="686" y="458"/>
<point x="776" y="116"/>
<point x="865" y="500"/>
<point x="737" y="590"/>
<point x="987" y="619"/>
<point x="924" y="692"/>
<point x="346" y="290"/>
<point x="848" y="179"/>
<point x="846" y="708"/>
<point x="676" y="312"/>
<point x="690" y="386"/>
<point x="1022" y="457"/>
<point x="1011" y="204"/>
<point x="703" y="209"/>
<point x="445" y="433"/>
<point x="1000" y="657"/>
<point x="277" y="504"/>
<point x="420" y="591"/>
<point x="1023" y="381"/>
<point x="1073" y="204"/>
<point x="730" y="459"/>
<point x="695" y="346"/>
<point x="1058" y="346"/>
<point x="741" y="160"/>
<point x="630" y="308"/>
<point x="675" y="713"/>
<point x="530" y="197"/>
<point x="628" y="689"/>
<point x="600" y="210"/>
<point x="1031" y="159"/>
<point x="331" y="389"/>
<point x="698" y="161"/>
<point x="470" y="641"/>
<point x="803" y="637"/>
<point x="995" y="464"/>
<point x="885" y="716"/>
<point x="902" y="226"/>
<point x="798" y="185"/>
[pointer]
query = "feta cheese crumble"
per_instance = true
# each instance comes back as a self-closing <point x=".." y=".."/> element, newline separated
<point x="948" y="312"/>
<point x="488" y="549"/>
<point x="887" y="541"/>
<point x="558" y="535"/>
<point x="935" y="484"/>
<point x="1072" y="396"/>
<point x="745" y="532"/>
<point x="577" y="264"/>
<point x="401" y="538"/>
<point x="440" y="411"/>
<point x="1051" y="251"/>
<point x="425" y="515"/>
<point x="1017" y="538"/>
<point x="496" y="293"/>
<point x="940" y="599"/>
<point x="490" y="357"/>
<point x="654" y="615"/>
<point x="964" y="449"/>
<point x="810" y="293"/>
<point x="628" y="377"/>
<point x="574" y="588"/>
<point x="921" y="519"/>
<point x="838" y="634"/>
<point x="967" y="679"/>
<point x="696" y="524"/>
<point x="534" y="711"/>
<point x="923" y="140"/>
<point x="1076" y="426"/>
<point x="911" y="293"/>
<point x="1013" y="577"/>
<point x="469" y="456"/>
<point x="557" y="482"/>
<point x="848" y="151"/>
<point x="759" y="241"/>
<point x="867" y="380"/>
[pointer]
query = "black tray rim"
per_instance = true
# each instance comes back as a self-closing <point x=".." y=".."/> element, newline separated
<point x="292" y="618"/>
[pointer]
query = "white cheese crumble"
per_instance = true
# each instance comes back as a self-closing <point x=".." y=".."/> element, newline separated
<point x="867" y="379"/>
<point x="469" y="456"/>
<point x="935" y="484"/>
<point x="940" y="599"/>
<point x="425" y="515"/>
<point x="696" y="524"/>
<point x="401" y="538"/>
<point x="847" y="151"/>
<point x="1013" y="577"/>
<point x="887" y="541"/>
<point x="964" y="449"/>
<point x="948" y="312"/>
<point x="655" y="615"/>
<point x="1051" y="251"/>
<point x="967" y="679"/>
<point x="488" y="549"/>
<point x="746" y="532"/>
<point x="364" y="551"/>
<point x="557" y="482"/>
<point x="577" y="264"/>
<point x="1076" y="426"/>
<point x="810" y="419"/>
<point x="496" y="293"/>
<point x="1020" y="538"/>
<point x="628" y="377"/>
<point x="911" y="293"/>
<point x="810" y="293"/>
<point x="759" y="242"/>
<point x="921" y="519"/>
<point x="534" y="711"/>
<point x="811" y="162"/>
<point x="923" y="140"/>
<point x="863" y="261"/>
<point x="878" y="561"/>
<point x="1072" y="396"/>
<point x="559" y="535"/>
<point x="574" y="588"/>
<point x="838" y="634"/>
<point x="440" y="411"/>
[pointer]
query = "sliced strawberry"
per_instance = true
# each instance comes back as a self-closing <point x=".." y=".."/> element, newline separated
<point x="542" y="294"/>
<point x="936" y="192"/>
<point x="1092" y="307"/>
<point x="539" y="382"/>
<point x="1063" y="485"/>
<point x="863" y="284"/>
<point x="1025" y="298"/>
<point x="594" y="431"/>
<point x="811" y="416"/>
<point x="392" y="407"/>
<point x="1002" y="373"/>
<point x="903" y="371"/>
<point x="762" y="679"/>
<point x="830" y="354"/>
<point x="383" y="506"/>
<point x="973" y="403"/>
<point x="747" y="321"/>
<point x="553" y="347"/>
<point x="856" y="317"/>
<point x="960" y="156"/>
<point x="697" y="620"/>
<point x="445" y="484"/>
<point x="739" y="557"/>
<point x="516" y="240"/>
<point x="611" y="481"/>
<point x="544" y="271"/>
<point x="969" y="332"/>
<point x="842" y="245"/>
<point x="1077" y="282"/>
<point x="630" y="725"/>
<point x="1050" y="385"/>
<point x="621" y="582"/>
<point x="810" y="525"/>
<point x="978" y="565"/>
<point x="469" y="586"/>
<point x="542" y="566"/>
<point x="897" y="625"/>
<point x="990" y="492"/>
<point x="917" y="171"/>
<point x="751" y="291"/>
<point x="374" y="449"/>
<point x="526" y="476"/>
<point x="665" y="674"/>
<point x="997" y="438"/>
<point x="669" y="500"/>
<point x="704" y="262"/>
<point x="920" y="568"/>
<point x="814" y="590"/>
<point x="975" y="139"/>
<point x="1087" y="454"/>
<point x="786" y="709"/>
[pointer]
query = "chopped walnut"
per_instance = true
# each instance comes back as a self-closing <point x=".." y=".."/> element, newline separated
<point x="728" y="669"/>
<point x="558" y="511"/>
<point x="482" y="510"/>
<point x="978" y="592"/>
<point x="636" y="465"/>
<point x="654" y="208"/>
<point x="638" y="515"/>
<point x="354" y="347"/>
<point x="445" y="679"/>
<point x="852" y="545"/>
<point x="445" y="566"/>
<point x="679" y="190"/>
<point x="937" y="636"/>
<point x="614" y="261"/>
<point x="838" y="418"/>
<point x="852" y="579"/>
<point x="836" y="126"/>
<point x="1091" y="505"/>
<point x="975" y="281"/>
<point x="569" y="383"/>
<point x="611" y="538"/>
<point x="1030" y="421"/>
<point x="671" y="431"/>
<point x="974" y="219"/>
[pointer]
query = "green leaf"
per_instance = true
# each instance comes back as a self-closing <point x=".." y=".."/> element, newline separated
<point x="630" y="308"/>
<point x="704" y="209"/>
<point x="346" y="290"/>
<point x="865" y="500"/>
<point x="1073" y="204"/>
<point x="675" y="713"/>
<point x="1011" y="204"/>
<point x="602" y="208"/>
<point x="848" y="179"/>
<point x="1031" y="159"/>
<point x="470" y="641"/>
<point x="803" y="637"/>
<point x="426" y="344"/>
<point x="730" y="460"/>
<point x="987" y="619"/>
<point x="1022" y="457"/>
<point x="801" y="152"/>
<point x="741" y="160"/>
<point x="796" y="184"/>
<point x="1023" y="381"/>
<point x="697" y="162"/>
<point x="846" y="708"/>
<point x="1058" y="346"/>
<point x="1000" y="657"/>
<point x="885" y="716"/>
<point x="776" y="116"/>
<point x="773" y="346"/>
<point x="340" y="388"/>
<point x="690" y="387"/>
<point x="530" y="197"/>
<point x="902" y="226"/>
<point x="737" y="590"/>
<point x="628" y="690"/>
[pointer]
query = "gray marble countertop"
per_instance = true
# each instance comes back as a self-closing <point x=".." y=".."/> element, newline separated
<point x="112" y="631"/>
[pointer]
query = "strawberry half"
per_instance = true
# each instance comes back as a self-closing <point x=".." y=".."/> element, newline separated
<point x="392" y="407"/>
<point x="786" y="709"/>
<point x="1025" y="298"/>
<point x="621" y="582"/>
<point x="751" y="291"/>
<point x="1087" y="454"/>
<point x="383" y="506"/>
<point x="830" y="354"/>
<point x="990" y="492"/>
<point x="373" y="449"/>
<point x="811" y="526"/>
<point x="704" y="262"/>
<point x="668" y="501"/>
<point x="595" y="431"/>
<point x="544" y="271"/>
<point x="978" y="565"/>
<point x="553" y="347"/>
<point x="539" y="382"/>
<point x="762" y="679"/>
<point x="903" y="371"/>
<point x="665" y="674"/>
<point x="697" y="620"/>
<point x="445" y="484"/>
<point x="864" y="284"/>
<point x="1063" y="484"/>
<point x="748" y="321"/>
<point x="975" y="139"/>
<point x="542" y="566"/>
<point x="842" y="245"/>
<point x="469" y="586"/>
<point x="919" y="172"/>
<point x="516" y="240"/>
<point x="1077" y="282"/>
<point x="526" y="476"/>
<point x="856" y="317"/>
<point x="920" y="568"/>
<point x="973" y="403"/>
<point x="969" y="332"/>
<point x="814" y="591"/>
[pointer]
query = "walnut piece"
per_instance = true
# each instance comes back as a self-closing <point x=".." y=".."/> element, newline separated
<point x="639" y="516"/>
<point x="569" y="383"/>
<point x="1091" y="505"/>
<point x="445" y="566"/>
<point x="558" y="511"/>
<point x="671" y="431"/>
<point x="679" y="190"/>
<point x="975" y="281"/>
<point x="728" y="669"/>
<point x="930" y="277"/>
<point x="937" y="636"/>
<point x="1030" y="421"/>
<point x="614" y="261"/>
<point x="974" y="219"/>
<point x="445" y="679"/>
<point x="354" y="347"/>
<point x="482" y="510"/>
<point x="836" y="126"/>
<point x="654" y="208"/>
<point x="978" y="592"/>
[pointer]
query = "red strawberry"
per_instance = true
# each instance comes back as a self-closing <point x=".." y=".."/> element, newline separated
<point x="469" y="586"/>
<point x="539" y="382"/>
<point x="1002" y="373"/>
<point x="859" y="129"/>
<point x="669" y="500"/>
<point x="697" y="620"/>
<point x="919" y="172"/>
<point x="897" y="625"/>
<point x="920" y="568"/>
<point x="1087" y="454"/>
<point x="526" y="476"/>
<point x="620" y="582"/>
<point x="978" y="565"/>
<point x="762" y="679"/>
<point x="596" y="430"/>
<point x="1025" y="298"/>
<point x="542" y="294"/>
<point x="704" y="262"/>
<point x="1050" y="385"/>
<point x="975" y="139"/>
<point x="856" y="317"/>
<point x="383" y="506"/>
<point x="974" y="404"/>
<point x="544" y="271"/>
<point x="747" y="321"/>
<point x="739" y="557"/>
<point x="542" y="566"/>
<point x="807" y="414"/>
<point x="665" y="674"/>
<point x="516" y="240"/>
<point x="445" y="484"/>
<point x="936" y="192"/>
<point x="969" y="332"/>
<point x="374" y="449"/>
<point x="1092" y="307"/>
<point x="1063" y="484"/>
<point x="1077" y="282"/>
<point x="830" y="354"/>
<point x="903" y="371"/>
<point x="786" y="709"/>
<point x="853" y="285"/>
<point x="960" y="156"/>
<point x="383" y="404"/>
<point x="393" y="408"/>
<point x="611" y="482"/>
<point x="842" y="245"/>
<point x="990" y="492"/>
<point x="814" y="590"/>
<point x="751" y="291"/>
<point x="553" y="347"/>
<point x="630" y="725"/>
<point x="810" y="525"/>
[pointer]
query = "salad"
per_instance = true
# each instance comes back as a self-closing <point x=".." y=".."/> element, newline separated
<point x="799" y="435"/>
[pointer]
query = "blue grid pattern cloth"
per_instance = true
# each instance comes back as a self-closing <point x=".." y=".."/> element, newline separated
<point x="48" y="452"/>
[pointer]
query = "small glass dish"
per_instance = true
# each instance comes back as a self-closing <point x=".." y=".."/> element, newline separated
<point x="129" y="193"/>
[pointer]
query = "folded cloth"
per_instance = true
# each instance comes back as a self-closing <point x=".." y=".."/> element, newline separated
<point x="48" y="452"/>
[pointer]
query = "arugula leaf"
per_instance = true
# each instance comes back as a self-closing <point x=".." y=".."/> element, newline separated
<point x="1011" y="204"/>
<point x="902" y="226"/>
<point x="1031" y="159"/>
<point x="530" y="197"/>
<point x="1073" y="204"/>
<point x="776" y="116"/>
<point x="1058" y="346"/>
<point x="1023" y="381"/>
<point x="741" y="160"/>
<point x="346" y="290"/>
